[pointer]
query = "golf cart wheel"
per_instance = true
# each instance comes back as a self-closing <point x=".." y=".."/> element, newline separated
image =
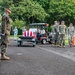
<point x="20" y="43"/>
<point x="44" y="41"/>
<point x="33" y="45"/>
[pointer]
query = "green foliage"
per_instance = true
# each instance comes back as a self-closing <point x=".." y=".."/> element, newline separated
<point x="62" y="10"/>
<point x="48" y="28"/>
<point x="48" y="11"/>
<point x="19" y="31"/>
<point x="28" y="11"/>
<point x="18" y="23"/>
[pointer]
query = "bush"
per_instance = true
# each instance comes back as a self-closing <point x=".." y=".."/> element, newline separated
<point x="48" y="28"/>
<point x="19" y="24"/>
<point x="19" y="31"/>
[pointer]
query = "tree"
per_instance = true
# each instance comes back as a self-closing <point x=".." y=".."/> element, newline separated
<point x="25" y="10"/>
<point x="41" y="10"/>
<point x="62" y="10"/>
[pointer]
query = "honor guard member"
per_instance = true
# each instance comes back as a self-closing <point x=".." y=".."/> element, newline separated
<point x="5" y="32"/>
<point x="53" y="32"/>
<point x="70" y="33"/>
<point x="57" y="34"/>
<point x="62" y="31"/>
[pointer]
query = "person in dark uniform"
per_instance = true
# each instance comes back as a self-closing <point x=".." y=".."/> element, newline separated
<point x="5" y="32"/>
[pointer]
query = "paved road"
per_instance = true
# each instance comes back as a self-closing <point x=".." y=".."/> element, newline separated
<point x="41" y="60"/>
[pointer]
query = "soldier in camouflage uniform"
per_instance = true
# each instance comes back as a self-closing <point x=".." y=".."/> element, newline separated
<point x="6" y="28"/>
<point x="62" y="32"/>
<point x="70" y="33"/>
<point x="56" y="29"/>
<point x="53" y="32"/>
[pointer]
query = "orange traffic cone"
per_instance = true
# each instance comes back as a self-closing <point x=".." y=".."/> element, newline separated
<point x="72" y="41"/>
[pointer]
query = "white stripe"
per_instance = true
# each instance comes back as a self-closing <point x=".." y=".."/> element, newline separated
<point x="32" y="33"/>
<point x="29" y="32"/>
<point x="67" y="55"/>
<point x="26" y="33"/>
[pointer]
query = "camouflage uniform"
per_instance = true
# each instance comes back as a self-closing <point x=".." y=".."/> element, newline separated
<point x="70" y="33"/>
<point x="53" y="34"/>
<point x="56" y="29"/>
<point x="62" y="31"/>
<point x="6" y="28"/>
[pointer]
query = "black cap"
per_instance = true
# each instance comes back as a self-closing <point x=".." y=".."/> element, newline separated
<point x="8" y="8"/>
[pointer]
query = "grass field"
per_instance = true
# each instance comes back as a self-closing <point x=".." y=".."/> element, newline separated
<point x="12" y="36"/>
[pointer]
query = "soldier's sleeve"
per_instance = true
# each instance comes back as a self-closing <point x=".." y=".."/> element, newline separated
<point x="59" y="29"/>
<point x="52" y="29"/>
<point x="8" y="20"/>
<point x="3" y="24"/>
<point x="73" y="29"/>
<point x="68" y="30"/>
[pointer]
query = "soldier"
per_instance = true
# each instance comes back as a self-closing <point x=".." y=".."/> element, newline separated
<point x="70" y="33"/>
<point x="53" y="32"/>
<point x="57" y="34"/>
<point x="5" y="32"/>
<point x="62" y="32"/>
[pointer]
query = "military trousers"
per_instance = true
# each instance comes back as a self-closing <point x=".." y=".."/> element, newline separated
<point x="70" y="39"/>
<point x="53" y="38"/>
<point x="57" y="38"/>
<point x="4" y="43"/>
<point x="62" y="39"/>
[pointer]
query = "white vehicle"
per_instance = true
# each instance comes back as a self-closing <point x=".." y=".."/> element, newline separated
<point x="33" y="30"/>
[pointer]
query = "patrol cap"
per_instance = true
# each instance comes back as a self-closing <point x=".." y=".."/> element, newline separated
<point x="62" y="21"/>
<point x="8" y="9"/>
<point x="71" y="24"/>
<point x="55" y="21"/>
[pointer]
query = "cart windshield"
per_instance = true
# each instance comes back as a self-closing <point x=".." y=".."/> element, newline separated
<point x="33" y="29"/>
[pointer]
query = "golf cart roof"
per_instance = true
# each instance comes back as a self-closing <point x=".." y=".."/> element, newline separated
<point x="37" y="24"/>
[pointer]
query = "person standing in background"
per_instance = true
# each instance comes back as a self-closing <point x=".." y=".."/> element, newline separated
<point x="62" y="31"/>
<point x="57" y="34"/>
<point x="70" y="33"/>
<point x="53" y="32"/>
<point x="5" y="32"/>
<point x="15" y="33"/>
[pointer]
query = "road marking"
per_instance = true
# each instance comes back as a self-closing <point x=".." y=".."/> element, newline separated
<point x="68" y="54"/>
<point x="19" y="53"/>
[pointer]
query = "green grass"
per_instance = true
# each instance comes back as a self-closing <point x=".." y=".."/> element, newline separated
<point x="12" y="36"/>
<point x="66" y="40"/>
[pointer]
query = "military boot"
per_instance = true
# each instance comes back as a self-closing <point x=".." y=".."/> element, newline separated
<point x="4" y="57"/>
